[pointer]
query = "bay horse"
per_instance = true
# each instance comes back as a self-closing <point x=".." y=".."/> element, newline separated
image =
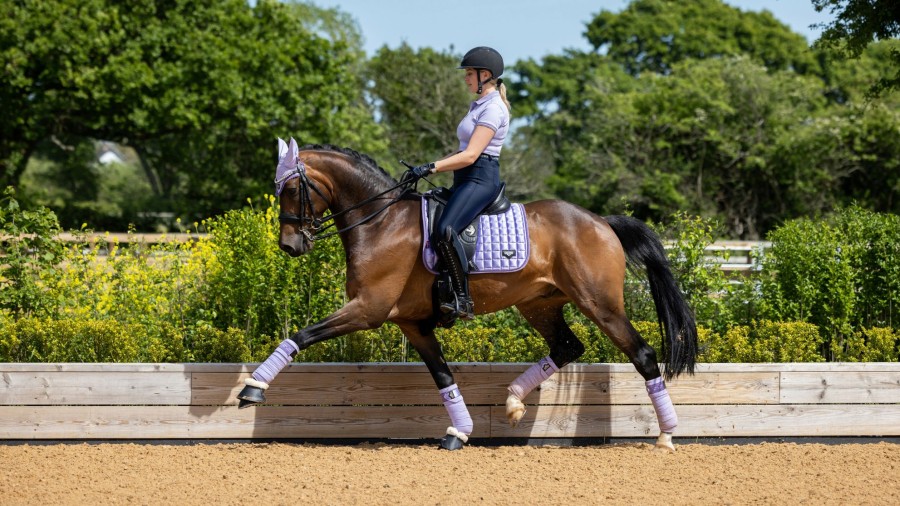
<point x="576" y="257"/>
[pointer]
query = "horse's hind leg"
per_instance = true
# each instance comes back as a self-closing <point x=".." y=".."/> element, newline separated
<point x="421" y="337"/>
<point x="547" y="318"/>
<point x="619" y="329"/>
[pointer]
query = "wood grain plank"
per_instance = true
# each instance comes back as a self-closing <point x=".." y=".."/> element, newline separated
<point x="323" y="388"/>
<point x="704" y="421"/>
<point x="841" y="387"/>
<point x="95" y="367"/>
<point x="629" y="388"/>
<point x="182" y="422"/>
<point x="96" y="388"/>
<point x="486" y="388"/>
<point x="726" y="367"/>
<point x="248" y="367"/>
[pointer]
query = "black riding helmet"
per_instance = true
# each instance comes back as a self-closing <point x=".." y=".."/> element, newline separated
<point x="483" y="57"/>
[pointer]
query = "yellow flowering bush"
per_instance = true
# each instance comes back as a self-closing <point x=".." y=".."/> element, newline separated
<point x="230" y="295"/>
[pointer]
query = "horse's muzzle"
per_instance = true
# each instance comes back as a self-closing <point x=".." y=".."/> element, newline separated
<point x="294" y="245"/>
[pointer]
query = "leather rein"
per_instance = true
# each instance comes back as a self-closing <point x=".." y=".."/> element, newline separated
<point x="314" y="228"/>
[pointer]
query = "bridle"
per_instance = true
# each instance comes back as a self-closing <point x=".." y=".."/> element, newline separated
<point x="312" y="227"/>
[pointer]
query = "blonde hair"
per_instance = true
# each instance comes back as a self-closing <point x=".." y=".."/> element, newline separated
<point x="499" y="84"/>
<point x="501" y="87"/>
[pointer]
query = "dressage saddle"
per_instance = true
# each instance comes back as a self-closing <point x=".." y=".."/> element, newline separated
<point x="437" y="200"/>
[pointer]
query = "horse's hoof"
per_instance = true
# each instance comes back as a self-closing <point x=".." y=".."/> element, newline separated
<point x="249" y="396"/>
<point x="664" y="443"/>
<point x="515" y="410"/>
<point x="454" y="440"/>
<point x="451" y="443"/>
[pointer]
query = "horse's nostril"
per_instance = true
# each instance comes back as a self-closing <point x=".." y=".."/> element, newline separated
<point x="286" y="248"/>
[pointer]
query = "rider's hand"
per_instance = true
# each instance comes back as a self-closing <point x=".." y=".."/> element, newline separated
<point x="422" y="170"/>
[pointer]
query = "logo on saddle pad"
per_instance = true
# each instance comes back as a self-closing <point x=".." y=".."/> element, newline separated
<point x="500" y="241"/>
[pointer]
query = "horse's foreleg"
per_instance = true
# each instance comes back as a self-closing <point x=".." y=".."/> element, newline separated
<point x="347" y="319"/>
<point x="461" y="425"/>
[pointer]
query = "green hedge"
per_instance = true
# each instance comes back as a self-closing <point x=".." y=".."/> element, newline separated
<point x="825" y="291"/>
<point x="33" y="339"/>
<point x="841" y="274"/>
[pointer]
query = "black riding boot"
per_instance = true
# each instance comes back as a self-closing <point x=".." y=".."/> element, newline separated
<point x="462" y="305"/>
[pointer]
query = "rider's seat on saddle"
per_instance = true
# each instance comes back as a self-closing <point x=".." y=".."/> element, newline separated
<point x="437" y="199"/>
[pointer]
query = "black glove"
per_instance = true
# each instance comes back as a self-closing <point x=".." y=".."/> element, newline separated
<point x="422" y="170"/>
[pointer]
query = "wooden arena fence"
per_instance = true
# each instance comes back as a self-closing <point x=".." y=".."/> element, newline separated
<point x="309" y="401"/>
<point x="732" y="256"/>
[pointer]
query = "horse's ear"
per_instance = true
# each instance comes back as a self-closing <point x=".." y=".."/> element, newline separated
<point x="287" y="158"/>
<point x="293" y="150"/>
<point x="282" y="149"/>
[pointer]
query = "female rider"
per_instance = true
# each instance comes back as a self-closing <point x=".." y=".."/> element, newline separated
<point x="476" y="170"/>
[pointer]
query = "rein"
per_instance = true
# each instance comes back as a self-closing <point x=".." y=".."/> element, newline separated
<point x="316" y="227"/>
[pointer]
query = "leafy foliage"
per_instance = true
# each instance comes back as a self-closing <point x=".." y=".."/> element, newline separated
<point x="653" y="35"/>
<point x="231" y="295"/>
<point x="841" y="275"/>
<point x="764" y="341"/>
<point x="859" y="22"/>
<point x="28" y="248"/>
<point x="703" y="108"/>
<point x="420" y="97"/>
<point x="199" y="89"/>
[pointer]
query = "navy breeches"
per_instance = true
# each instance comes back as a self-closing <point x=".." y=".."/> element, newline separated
<point x="474" y="188"/>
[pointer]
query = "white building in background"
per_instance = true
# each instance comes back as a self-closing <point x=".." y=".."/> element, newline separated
<point x="109" y="152"/>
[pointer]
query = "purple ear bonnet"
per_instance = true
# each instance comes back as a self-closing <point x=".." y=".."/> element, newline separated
<point x="289" y="164"/>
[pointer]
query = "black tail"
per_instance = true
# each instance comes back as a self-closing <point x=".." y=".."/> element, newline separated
<point x="644" y="249"/>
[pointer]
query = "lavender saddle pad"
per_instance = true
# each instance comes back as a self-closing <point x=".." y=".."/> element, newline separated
<point x="502" y="243"/>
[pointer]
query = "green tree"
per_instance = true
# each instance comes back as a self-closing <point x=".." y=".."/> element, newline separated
<point x="857" y="23"/>
<point x="580" y="120"/>
<point x="851" y="80"/>
<point x="714" y="124"/>
<point x="419" y="97"/>
<point x="701" y="107"/>
<point x="199" y="88"/>
<point x="652" y="35"/>
<point x="699" y="139"/>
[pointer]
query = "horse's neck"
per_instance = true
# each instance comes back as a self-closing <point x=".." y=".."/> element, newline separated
<point x="344" y="180"/>
<point x="346" y="191"/>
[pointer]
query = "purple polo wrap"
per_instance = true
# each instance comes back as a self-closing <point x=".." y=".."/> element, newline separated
<point x="532" y="377"/>
<point x="662" y="404"/>
<point x="282" y="356"/>
<point x="456" y="408"/>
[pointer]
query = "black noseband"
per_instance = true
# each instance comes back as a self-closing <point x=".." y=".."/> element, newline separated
<point x="290" y="218"/>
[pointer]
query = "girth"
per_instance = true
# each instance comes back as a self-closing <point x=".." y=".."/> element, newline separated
<point x="437" y="200"/>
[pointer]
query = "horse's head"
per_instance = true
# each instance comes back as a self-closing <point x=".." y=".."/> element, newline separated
<point x="302" y="201"/>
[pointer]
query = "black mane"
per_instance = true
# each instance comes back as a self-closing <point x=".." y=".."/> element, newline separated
<point x="374" y="173"/>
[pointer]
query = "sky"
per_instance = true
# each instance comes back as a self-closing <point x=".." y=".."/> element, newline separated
<point x="518" y="29"/>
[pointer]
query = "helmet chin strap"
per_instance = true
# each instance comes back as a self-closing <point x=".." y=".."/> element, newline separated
<point x="480" y="82"/>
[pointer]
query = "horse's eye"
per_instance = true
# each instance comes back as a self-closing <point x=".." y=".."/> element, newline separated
<point x="292" y="192"/>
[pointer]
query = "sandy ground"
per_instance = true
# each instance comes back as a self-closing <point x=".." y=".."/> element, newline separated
<point x="377" y="473"/>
